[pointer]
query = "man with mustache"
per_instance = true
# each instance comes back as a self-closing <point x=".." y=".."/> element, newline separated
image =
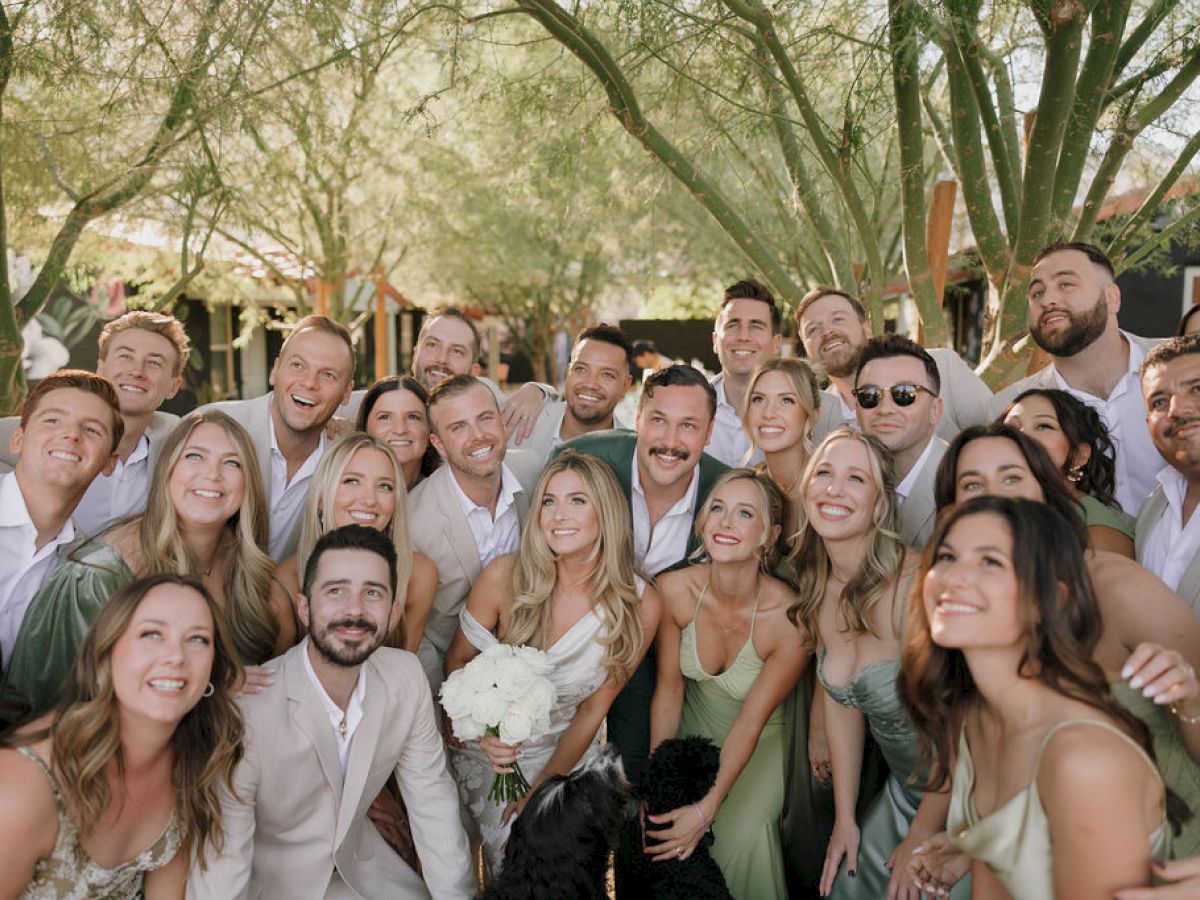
<point x="470" y="510"/>
<point x="833" y="327"/>
<point x="343" y="715"/>
<point x="666" y="476"/>
<point x="598" y="376"/>
<point x="1073" y="306"/>
<point x="1168" y="530"/>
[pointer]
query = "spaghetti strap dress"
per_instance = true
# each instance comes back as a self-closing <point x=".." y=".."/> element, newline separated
<point x="68" y="873"/>
<point x="1014" y="839"/>
<point x="746" y="831"/>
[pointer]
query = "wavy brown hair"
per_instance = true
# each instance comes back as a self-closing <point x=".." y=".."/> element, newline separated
<point x="252" y="627"/>
<point x="85" y="734"/>
<point x="880" y="569"/>
<point x="1061" y="622"/>
<point x="613" y="583"/>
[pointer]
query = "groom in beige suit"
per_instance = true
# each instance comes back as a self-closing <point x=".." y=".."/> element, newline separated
<point x="470" y="510"/>
<point x="342" y="715"/>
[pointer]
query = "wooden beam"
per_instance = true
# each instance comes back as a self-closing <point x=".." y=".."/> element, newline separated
<point x="937" y="233"/>
<point x="382" y="364"/>
<point x="322" y="297"/>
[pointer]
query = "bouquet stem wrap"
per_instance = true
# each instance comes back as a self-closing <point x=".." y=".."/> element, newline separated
<point x="508" y="786"/>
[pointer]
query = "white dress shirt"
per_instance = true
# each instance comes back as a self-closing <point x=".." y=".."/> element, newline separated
<point x="729" y="442"/>
<point x="905" y="487"/>
<point x="494" y="536"/>
<point x="343" y="723"/>
<point x="1124" y="413"/>
<point x="1172" y="544"/>
<point x="287" y="497"/>
<point x="23" y="567"/>
<point x="112" y="497"/>
<point x="666" y="543"/>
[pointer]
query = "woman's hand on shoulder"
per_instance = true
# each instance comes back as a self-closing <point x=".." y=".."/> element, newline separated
<point x="1181" y="881"/>
<point x="28" y="820"/>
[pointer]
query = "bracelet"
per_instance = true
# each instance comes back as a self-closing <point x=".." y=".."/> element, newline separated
<point x="708" y="824"/>
<point x="1184" y="718"/>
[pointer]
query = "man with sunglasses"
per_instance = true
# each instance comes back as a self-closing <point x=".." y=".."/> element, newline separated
<point x="833" y="327"/>
<point x="897" y="386"/>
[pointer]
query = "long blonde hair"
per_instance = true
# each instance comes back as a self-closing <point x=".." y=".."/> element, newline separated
<point x="85" y="730"/>
<point x="322" y="491"/>
<point x="252" y="627"/>
<point x="880" y="569"/>
<point x="769" y="550"/>
<point x="613" y="583"/>
<point x="804" y="382"/>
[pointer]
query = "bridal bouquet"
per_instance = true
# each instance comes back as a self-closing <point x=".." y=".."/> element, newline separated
<point x="505" y="691"/>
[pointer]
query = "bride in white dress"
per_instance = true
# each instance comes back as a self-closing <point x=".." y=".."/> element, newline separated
<point x="571" y="591"/>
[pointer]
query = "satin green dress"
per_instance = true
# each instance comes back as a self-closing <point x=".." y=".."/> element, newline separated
<point x="1175" y="765"/>
<point x="56" y="621"/>
<point x="1014" y="839"/>
<point x="746" y="831"/>
<point x="872" y="691"/>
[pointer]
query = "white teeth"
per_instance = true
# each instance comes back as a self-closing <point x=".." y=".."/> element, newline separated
<point x="303" y="401"/>
<point x="722" y="539"/>
<point x="770" y="429"/>
<point x="667" y="457"/>
<point x="834" y="512"/>
<point x="956" y="607"/>
<point x="64" y="455"/>
<point x="133" y="388"/>
<point x="481" y="452"/>
<point x="399" y="442"/>
<point x="207" y="495"/>
<point x="439" y="373"/>
<point x="359" y="516"/>
<point x="562" y="532"/>
<point x="742" y="352"/>
<point x="591" y="398"/>
<point x="167" y="684"/>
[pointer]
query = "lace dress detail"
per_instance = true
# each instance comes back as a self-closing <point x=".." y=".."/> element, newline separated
<point x="68" y="873"/>
<point x="577" y="674"/>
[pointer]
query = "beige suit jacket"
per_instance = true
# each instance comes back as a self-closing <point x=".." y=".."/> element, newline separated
<point x="1152" y="511"/>
<point x="298" y="830"/>
<point x="158" y="429"/>
<point x="918" y="513"/>
<point x="439" y="530"/>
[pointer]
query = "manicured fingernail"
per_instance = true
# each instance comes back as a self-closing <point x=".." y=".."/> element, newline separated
<point x="1127" y="671"/>
<point x="1136" y="682"/>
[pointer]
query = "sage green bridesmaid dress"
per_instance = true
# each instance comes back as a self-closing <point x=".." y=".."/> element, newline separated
<point x="872" y="691"/>
<point x="746" y="831"/>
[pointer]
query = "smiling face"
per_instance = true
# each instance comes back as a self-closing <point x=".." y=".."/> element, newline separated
<point x="161" y="664"/>
<point x="971" y="592"/>
<point x="902" y="429"/>
<point x="1172" y="393"/>
<point x="833" y="335"/>
<point x="446" y="347"/>
<point x="1036" y="417"/>
<point x="350" y="610"/>
<point x="469" y="432"/>
<point x="597" y="379"/>
<point x="995" y="467"/>
<point x="735" y="528"/>
<point x="774" y="413"/>
<point x="673" y="426"/>
<point x="1072" y="301"/>
<point x="141" y="365"/>
<point x="312" y="377"/>
<point x="398" y="418"/>
<point x="841" y="494"/>
<point x="568" y="516"/>
<point x="208" y="480"/>
<point x="67" y="440"/>
<point x="742" y="336"/>
<point x="366" y="493"/>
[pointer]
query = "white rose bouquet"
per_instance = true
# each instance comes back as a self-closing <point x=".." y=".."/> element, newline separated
<point x="505" y="691"/>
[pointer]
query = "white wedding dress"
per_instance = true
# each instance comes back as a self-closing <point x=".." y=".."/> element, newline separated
<point x="577" y="675"/>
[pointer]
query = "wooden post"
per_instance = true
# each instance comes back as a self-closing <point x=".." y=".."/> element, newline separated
<point x="937" y="234"/>
<point x="381" y="325"/>
<point x="322" y="297"/>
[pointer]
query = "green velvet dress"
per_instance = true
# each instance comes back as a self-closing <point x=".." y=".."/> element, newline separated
<point x="746" y="831"/>
<point x="56" y="621"/>
<point x="1178" y="771"/>
<point x="872" y="691"/>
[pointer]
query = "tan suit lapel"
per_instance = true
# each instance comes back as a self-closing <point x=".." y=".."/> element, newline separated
<point x="362" y="752"/>
<point x="454" y="526"/>
<point x="308" y="712"/>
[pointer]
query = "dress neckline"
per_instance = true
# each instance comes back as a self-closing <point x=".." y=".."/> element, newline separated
<point x="858" y="673"/>
<point x="749" y="637"/>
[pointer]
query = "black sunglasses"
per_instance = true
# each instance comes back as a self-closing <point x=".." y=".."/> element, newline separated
<point x="902" y="395"/>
